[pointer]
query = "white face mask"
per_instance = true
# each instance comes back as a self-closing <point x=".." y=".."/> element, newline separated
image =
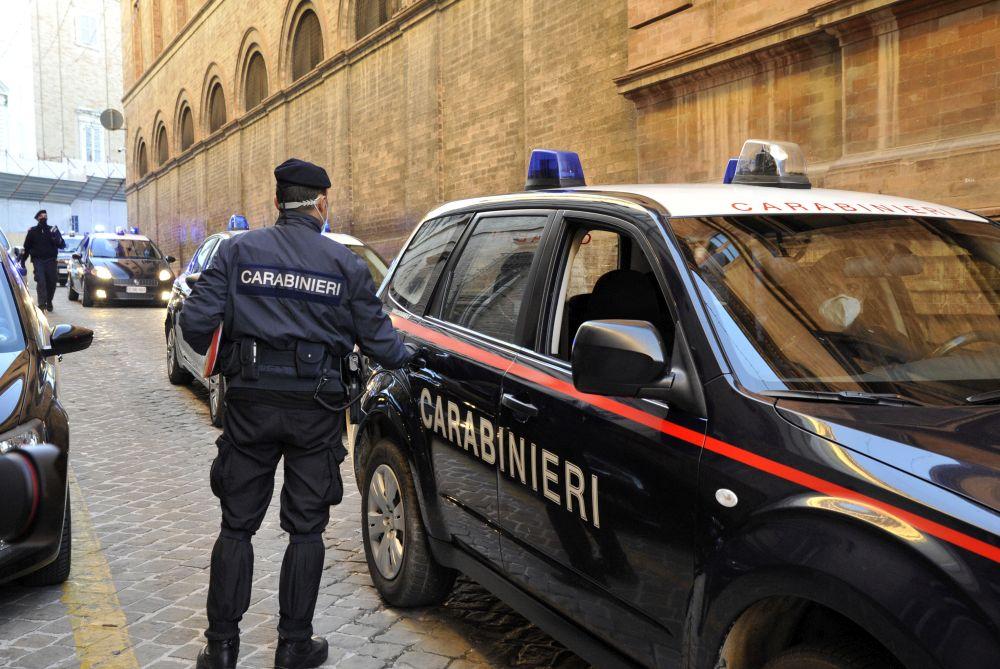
<point x="841" y="311"/>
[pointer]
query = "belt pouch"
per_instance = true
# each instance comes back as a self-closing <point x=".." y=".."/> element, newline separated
<point x="249" y="370"/>
<point x="309" y="358"/>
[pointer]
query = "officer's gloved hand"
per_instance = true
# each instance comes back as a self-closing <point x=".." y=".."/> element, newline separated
<point x="413" y="350"/>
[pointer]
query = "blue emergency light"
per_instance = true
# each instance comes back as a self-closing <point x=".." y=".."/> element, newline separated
<point x="238" y="222"/>
<point x="730" y="170"/>
<point x="134" y="230"/>
<point x="554" y="169"/>
<point x="326" y="227"/>
<point x="119" y="230"/>
<point x="766" y="162"/>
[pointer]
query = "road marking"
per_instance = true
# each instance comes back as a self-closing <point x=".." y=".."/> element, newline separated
<point x="91" y="600"/>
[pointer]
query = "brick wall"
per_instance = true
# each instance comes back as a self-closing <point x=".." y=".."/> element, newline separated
<point x="447" y="99"/>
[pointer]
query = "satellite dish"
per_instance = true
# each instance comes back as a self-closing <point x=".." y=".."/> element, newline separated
<point x="112" y="119"/>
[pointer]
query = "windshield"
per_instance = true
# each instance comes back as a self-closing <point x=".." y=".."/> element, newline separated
<point x="72" y="244"/>
<point x="909" y="306"/>
<point x="375" y="264"/>
<point x="124" y="248"/>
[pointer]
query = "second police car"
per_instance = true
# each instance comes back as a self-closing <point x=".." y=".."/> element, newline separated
<point x="742" y="425"/>
<point x="183" y="364"/>
<point x="119" y="267"/>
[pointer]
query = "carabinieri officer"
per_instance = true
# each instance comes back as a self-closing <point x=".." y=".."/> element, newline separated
<point x="292" y="303"/>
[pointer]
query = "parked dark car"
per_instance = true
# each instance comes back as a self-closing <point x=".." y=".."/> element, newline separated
<point x="119" y="268"/>
<point x="35" y="538"/>
<point x="748" y="425"/>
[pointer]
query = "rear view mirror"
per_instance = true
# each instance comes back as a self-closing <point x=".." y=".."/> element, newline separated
<point x="617" y="357"/>
<point x="68" y="339"/>
<point x="192" y="279"/>
<point x="170" y="259"/>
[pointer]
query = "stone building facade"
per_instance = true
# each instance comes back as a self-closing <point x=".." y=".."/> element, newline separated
<point x="409" y="103"/>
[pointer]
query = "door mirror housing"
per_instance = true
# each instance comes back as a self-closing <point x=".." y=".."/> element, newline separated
<point x="192" y="279"/>
<point x="628" y="359"/>
<point x="170" y="259"/>
<point x="68" y="339"/>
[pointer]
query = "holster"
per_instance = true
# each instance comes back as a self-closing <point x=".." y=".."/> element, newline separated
<point x="249" y="360"/>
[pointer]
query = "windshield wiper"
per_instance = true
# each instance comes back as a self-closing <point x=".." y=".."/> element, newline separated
<point x="846" y="396"/>
<point x="988" y="397"/>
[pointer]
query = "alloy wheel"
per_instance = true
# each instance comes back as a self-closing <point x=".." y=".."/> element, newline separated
<point x="386" y="522"/>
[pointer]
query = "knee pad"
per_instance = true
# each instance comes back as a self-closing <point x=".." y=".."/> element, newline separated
<point x="315" y="538"/>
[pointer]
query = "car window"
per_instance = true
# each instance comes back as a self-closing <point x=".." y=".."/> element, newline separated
<point x="11" y="333"/>
<point x="374" y="264"/>
<point x="491" y="275"/>
<point x="423" y="261"/>
<point x="604" y="276"/>
<point x="199" y="260"/>
<point x="4" y="242"/>
<point x="72" y="244"/>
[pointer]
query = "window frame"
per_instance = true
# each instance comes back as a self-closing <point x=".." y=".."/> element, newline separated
<point x="462" y="218"/>
<point x="80" y="19"/>
<point x="551" y="282"/>
<point x="214" y="241"/>
<point x="525" y="323"/>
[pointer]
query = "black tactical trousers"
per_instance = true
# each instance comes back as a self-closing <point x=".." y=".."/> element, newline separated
<point x="255" y="436"/>
<point x="46" y="279"/>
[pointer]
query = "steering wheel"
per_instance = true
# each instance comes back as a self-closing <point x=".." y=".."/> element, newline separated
<point x="965" y="339"/>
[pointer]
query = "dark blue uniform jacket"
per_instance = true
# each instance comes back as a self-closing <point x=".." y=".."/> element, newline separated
<point x="287" y="283"/>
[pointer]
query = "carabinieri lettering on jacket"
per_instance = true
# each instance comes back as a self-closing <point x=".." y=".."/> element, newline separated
<point x="293" y="283"/>
<point x="560" y="481"/>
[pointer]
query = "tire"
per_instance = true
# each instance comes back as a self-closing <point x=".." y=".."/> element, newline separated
<point x="87" y="300"/>
<point x="217" y="399"/>
<point x="57" y="571"/>
<point x="841" y="654"/>
<point x="71" y="293"/>
<point x="415" y="578"/>
<point x="175" y="371"/>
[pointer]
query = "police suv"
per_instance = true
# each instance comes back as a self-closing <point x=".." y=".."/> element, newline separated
<point x="743" y="425"/>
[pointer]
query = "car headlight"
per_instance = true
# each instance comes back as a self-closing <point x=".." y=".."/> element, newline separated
<point x="102" y="272"/>
<point x="19" y="437"/>
<point x="165" y="275"/>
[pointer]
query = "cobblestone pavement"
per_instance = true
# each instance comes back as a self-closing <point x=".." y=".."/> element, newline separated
<point x="144" y="521"/>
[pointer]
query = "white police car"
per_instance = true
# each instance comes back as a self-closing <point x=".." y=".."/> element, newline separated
<point x="747" y="425"/>
<point x="183" y="363"/>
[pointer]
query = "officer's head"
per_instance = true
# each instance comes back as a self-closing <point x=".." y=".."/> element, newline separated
<point x="42" y="216"/>
<point x="301" y="186"/>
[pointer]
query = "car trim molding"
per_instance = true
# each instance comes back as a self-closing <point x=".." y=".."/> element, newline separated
<point x="504" y="365"/>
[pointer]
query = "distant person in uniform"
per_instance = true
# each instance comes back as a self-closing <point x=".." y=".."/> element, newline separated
<point x="42" y="244"/>
<point x="292" y="304"/>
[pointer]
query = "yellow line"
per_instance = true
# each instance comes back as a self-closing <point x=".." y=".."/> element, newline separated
<point x="99" y="624"/>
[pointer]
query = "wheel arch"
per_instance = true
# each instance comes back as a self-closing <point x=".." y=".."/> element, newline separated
<point x="899" y="590"/>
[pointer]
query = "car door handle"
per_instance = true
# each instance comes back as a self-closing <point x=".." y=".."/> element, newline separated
<point x="522" y="410"/>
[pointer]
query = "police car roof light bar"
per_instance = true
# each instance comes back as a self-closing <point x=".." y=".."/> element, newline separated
<point x="765" y="162"/>
<point x="554" y="169"/>
<point x="119" y="230"/>
<point x="727" y="178"/>
<point x="134" y="230"/>
<point x="238" y="222"/>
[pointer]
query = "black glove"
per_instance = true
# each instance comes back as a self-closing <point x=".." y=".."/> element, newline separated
<point x="413" y="350"/>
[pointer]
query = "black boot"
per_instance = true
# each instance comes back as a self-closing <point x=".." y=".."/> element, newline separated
<point x="301" y="654"/>
<point x="219" y="654"/>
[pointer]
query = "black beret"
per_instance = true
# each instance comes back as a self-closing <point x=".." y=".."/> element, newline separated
<point x="39" y="213"/>
<point x="295" y="172"/>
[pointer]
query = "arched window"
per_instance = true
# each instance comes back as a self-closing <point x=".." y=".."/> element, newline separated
<point x="307" y="45"/>
<point x="255" y="83"/>
<point x="186" y="128"/>
<point x="141" y="159"/>
<point x="162" y="148"/>
<point x="370" y="14"/>
<point x="216" y="108"/>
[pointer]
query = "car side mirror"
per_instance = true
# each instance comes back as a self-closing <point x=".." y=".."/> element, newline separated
<point x="68" y="339"/>
<point x="170" y="259"/>
<point x="628" y="359"/>
<point x="77" y="256"/>
<point x="17" y="251"/>
<point x="192" y="279"/>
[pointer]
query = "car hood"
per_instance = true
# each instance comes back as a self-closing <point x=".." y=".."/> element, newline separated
<point x="131" y="268"/>
<point x="956" y="448"/>
<point x="12" y="384"/>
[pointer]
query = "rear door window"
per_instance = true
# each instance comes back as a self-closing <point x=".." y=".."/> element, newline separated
<point x="424" y="260"/>
<point x="201" y="257"/>
<point x="491" y="275"/>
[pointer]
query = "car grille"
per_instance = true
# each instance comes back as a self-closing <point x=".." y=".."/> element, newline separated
<point x="136" y="282"/>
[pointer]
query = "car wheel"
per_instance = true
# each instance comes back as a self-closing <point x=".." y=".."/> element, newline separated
<point x="400" y="562"/>
<point x="72" y="294"/>
<point x="217" y="399"/>
<point x="88" y="300"/>
<point x="57" y="571"/>
<point x="175" y="372"/>
<point x="841" y="654"/>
